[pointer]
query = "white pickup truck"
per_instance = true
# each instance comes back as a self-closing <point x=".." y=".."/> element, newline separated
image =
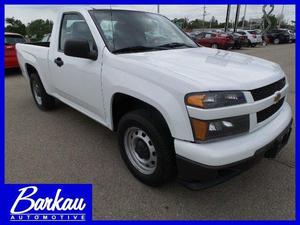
<point x="180" y="110"/>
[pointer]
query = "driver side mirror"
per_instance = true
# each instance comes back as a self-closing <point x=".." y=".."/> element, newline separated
<point x="79" y="48"/>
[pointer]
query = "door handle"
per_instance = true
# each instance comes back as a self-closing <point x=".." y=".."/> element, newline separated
<point x="58" y="61"/>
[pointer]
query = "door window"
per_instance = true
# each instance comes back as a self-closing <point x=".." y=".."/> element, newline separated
<point x="74" y="27"/>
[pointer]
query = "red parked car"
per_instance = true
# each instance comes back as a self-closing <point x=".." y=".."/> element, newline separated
<point x="11" y="39"/>
<point x="215" y="40"/>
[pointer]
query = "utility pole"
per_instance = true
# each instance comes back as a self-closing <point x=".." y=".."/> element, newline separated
<point x="204" y="15"/>
<point x="237" y="15"/>
<point x="281" y="17"/>
<point x="244" y="17"/>
<point x="158" y="10"/>
<point x="227" y="17"/>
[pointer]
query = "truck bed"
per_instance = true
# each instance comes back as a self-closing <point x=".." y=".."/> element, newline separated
<point x="42" y="44"/>
<point x="34" y="54"/>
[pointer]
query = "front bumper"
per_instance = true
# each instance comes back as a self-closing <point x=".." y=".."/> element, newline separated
<point x="198" y="176"/>
<point x="214" y="157"/>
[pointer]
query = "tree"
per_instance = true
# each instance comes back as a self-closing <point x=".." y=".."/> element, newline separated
<point x="213" y="22"/>
<point x="38" y="28"/>
<point x="15" y="26"/>
<point x="273" y="20"/>
<point x="246" y="22"/>
<point x="183" y="23"/>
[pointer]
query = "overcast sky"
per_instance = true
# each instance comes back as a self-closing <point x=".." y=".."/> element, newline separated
<point x="27" y="13"/>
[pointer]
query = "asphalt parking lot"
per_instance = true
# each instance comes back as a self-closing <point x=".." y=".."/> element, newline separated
<point x="64" y="146"/>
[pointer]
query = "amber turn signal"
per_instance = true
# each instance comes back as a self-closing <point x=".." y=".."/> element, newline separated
<point x="196" y="100"/>
<point x="200" y="129"/>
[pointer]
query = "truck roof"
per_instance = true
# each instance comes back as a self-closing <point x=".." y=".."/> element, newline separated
<point x="84" y="7"/>
<point x="96" y="7"/>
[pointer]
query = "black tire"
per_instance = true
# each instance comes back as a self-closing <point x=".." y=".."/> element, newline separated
<point x="253" y="45"/>
<point x="276" y="41"/>
<point x="249" y="43"/>
<point x="154" y="126"/>
<point x="41" y="98"/>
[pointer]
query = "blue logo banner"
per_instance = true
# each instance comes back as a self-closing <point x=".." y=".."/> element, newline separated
<point x="48" y="202"/>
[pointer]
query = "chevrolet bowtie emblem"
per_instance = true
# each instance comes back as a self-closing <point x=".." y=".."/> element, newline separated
<point x="277" y="97"/>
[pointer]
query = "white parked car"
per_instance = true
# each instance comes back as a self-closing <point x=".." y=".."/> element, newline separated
<point x="292" y="36"/>
<point x="252" y="36"/>
<point x="179" y="109"/>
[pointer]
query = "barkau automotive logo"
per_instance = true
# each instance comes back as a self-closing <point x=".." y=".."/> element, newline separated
<point x="31" y="205"/>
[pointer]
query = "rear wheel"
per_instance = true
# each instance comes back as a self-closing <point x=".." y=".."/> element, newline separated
<point x="276" y="41"/>
<point x="40" y="96"/>
<point x="147" y="147"/>
<point x="249" y="43"/>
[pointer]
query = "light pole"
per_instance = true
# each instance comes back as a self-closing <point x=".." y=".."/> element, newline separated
<point x="204" y="15"/>
<point x="158" y="10"/>
<point x="281" y="17"/>
<point x="227" y="17"/>
<point x="244" y="17"/>
<point x="237" y="15"/>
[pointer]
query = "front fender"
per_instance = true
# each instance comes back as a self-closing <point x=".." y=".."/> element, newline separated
<point x="168" y="101"/>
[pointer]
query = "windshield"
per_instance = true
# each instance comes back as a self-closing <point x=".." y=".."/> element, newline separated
<point x="131" y="31"/>
<point x="251" y="32"/>
<point x="13" y="39"/>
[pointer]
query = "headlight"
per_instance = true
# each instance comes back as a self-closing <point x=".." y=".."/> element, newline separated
<point x="215" y="99"/>
<point x="207" y="130"/>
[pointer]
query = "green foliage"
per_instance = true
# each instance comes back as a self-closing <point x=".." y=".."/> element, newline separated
<point x="15" y="26"/>
<point x="38" y="28"/>
<point x="274" y="22"/>
<point x="184" y="23"/>
<point x="35" y="30"/>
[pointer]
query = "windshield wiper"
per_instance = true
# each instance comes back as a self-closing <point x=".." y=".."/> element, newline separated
<point x="136" y="49"/>
<point x="175" y="45"/>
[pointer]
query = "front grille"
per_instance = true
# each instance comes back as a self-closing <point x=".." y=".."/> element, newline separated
<point x="266" y="91"/>
<point x="267" y="112"/>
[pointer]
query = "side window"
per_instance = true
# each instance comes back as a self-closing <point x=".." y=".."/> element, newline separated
<point x="73" y="26"/>
<point x="201" y="35"/>
<point x="207" y="35"/>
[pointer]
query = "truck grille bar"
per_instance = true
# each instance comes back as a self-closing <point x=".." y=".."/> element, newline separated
<point x="268" y="112"/>
<point x="266" y="91"/>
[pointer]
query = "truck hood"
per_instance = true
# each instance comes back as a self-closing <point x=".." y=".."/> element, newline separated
<point x="212" y="69"/>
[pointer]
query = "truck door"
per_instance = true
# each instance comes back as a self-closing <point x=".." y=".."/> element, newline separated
<point x="77" y="80"/>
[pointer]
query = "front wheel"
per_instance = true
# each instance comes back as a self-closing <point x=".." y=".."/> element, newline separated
<point x="40" y="96"/>
<point x="147" y="147"/>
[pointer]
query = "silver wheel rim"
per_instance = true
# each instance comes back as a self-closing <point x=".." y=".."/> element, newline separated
<point x="140" y="150"/>
<point x="276" y="41"/>
<point x="214" y="46"/>
<point x="37" y="92"/>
